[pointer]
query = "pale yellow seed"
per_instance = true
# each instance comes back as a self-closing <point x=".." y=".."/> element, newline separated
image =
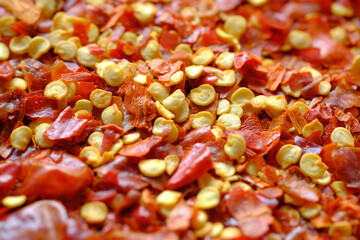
<point x="38" y="46"/>
<point x="258" y="102"/>
<point x="86" y="58"/>
<point x="163" y="111"/>
<point x="56" y="90"/>
<point x="242" y="96"/>
<point x="40" y="139"/>
<point x="224" y="169"/>
<point x="76" y="41"/>
<point x="194" y="71"/>
<point x="341" y="11"/>
<point x="112" y="115"/>
<point x="235" y="146"/>
<point x="4" y="51"/>
<point x="13" y="201"/>
<point x="223" y="107"/>
<point x="205" y="230"/>
<point x="230" y="233"/>
<point x="237" y="110"/>
<point x="94" y="212"/>
<point x="168" y="198"/>
<point x="128" y="67"/>
<point x="202" y="119"/>
<point x="140" y="78"/>
<point x="200" y="219"/>
<point x="244" y="186"/>
<point x="310" y="210"/>
<point x="93" y="33"/>
<point x="203" y="95"/>
<point x="174" y="101"/>
<point x="113" y="75"/>
<point x="20" y="138"/>
<point x="342" y="137"/>
<point x="287" y="155"/>
<point x="324" y="180"/>
<point x="203" y="56"/>
<point x="116" y="147"/>
<point x="312" y="165"/>
<point x="129" y="37"/>
<point x="339" y="188"/>
<point x="66" y="50"/>
<point x="217" y="229"/>
<point x="207" y="198"/>
<point x="290" y="211"/>
<point x="299" y="39"/>
<point x="83" y="104"/>
<point x="47" y="7"/>
<point x="19" y="44"/>
<point x="152" y="167"/>
<point x="160" y="124"/>
<point x="339" y="34"/>
<point x="340" y="229"/>
<point x="225" y="60"/>
<point x="324" y="88"/>
<point x="217" y="131"/>
<point x="158" y="91"/>
<point x="95" y="139"/>
<point x="172" y="162"/>
<point x="257" y="3"/>
<point x="228" y="120"/>
<point x="227" y="79"/>
<point x="5" y="23"/>
<point x="184" y="47"/>
<point x="144" y="12"/>
<point x="16" y="83"/>
<point x="235" y="25"/>
<point x="100" y="98"/>
<point x="207" y="180"/>
<point x="91" y="154"/>
<point x="355" y="65"/>
<point x="176" y="78"/>
<point x="151" y="50"/>
<point x="288" y="91"/>
<point x="275" y="105"/>
<point x="58" y="35"/>
<point x="131" y="138"/>
<point x="315" y="125"/>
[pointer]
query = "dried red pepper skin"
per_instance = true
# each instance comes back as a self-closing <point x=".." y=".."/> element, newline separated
<point x="196" y="162"/>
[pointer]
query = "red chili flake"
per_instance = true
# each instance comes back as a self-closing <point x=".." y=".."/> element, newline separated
<point x="196" y="162"/>
<point x="180" y="216"/>
<point x="80" y="31"/>
<point x="199" y="135"/>
<point x="23" y="28"/>
<point x="210" y="38"/>
<point x="169" y="40"/>
<point x="165" y="78"/>
<point x="159" y="66"/>
<point x="299" y="80"/>
<point x="40" y="107"/>
<point x="275" y="77"/>
<point x="85" y="89"/>
<point x="9" y="173"/>
<point x="254" y="217"/>
<point x="295" y="184"/>
<point x="349" y="98"/>
<point x="66" y="126"/>
<point x="347" y="166"/>
<point x="6" y="71"/>
<point x="252" y="139"/>
<point x="96" y="50"/>
<point x="140" y="149"/>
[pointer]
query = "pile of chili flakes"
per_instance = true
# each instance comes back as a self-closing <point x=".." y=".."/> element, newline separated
<point x="261" y="200"/>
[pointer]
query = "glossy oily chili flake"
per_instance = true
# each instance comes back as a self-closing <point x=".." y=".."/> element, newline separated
<point x="179" y="119"/>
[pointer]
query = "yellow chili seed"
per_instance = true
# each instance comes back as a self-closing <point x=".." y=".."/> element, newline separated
<point x="94" y="212"/>
<point x="38" y="46"/>
<point x="116" y="147"/>
<point x="194" y="71"/>
<point x="342" y="137"/>
<point x="158" y="91"/>
<point x="339" y="188"/>
<point x="235" y="146"/>
<point x="172" y="162"/>
<point x="86" y="58"/>
<point x="200" y="219"/>
<point x="237" y="110"/>
<point x="224" y="169"/>
<point x="341" y="11"/>
<point x="176" y="78"/>
<point x="112" y="115"/>
<point x="299" y="39"/>
<point x="235" y="25"/>
<point x="227" y="79"/>
<point x="163" y="111"/>
<point x="229" y="120"/>
<point x="152" y="167"/>
<point x="168" y="198"/>
<point x="95" y="139"/>
<point x="56" y="90"/>
<point x="230" y="233"/>
<point x="217" y="229"/>
<point x="40" y="139"/>
<point x="310" y="210"/>
<point x="315" y="125"/>
<point x="203" y="56"/>
<point x="151" y="50"/>
<point x="21" y="137"/>
<point x="13" y="201"/>
<point x="223" y="107"/>
<point x="83" y="104"/>
<point x="100" y="98"/>
<point x="131" y="138"/>
<point x="203" y="95"/>
<point x="355" y="65"/>
<point x="159" y="125"/>
<point x="324" y="180"/>
<point x="205" y="230"/>
<point x="202" y="119"/>
<point x="287" y="155"/>
<point x="225" y="60"/>
<point x="324" y="88"/>
<point x="91" y="154"/>
<point x="20" y="44"/>
<point x="207" y="198"/>
<point x="66" y="50"/>
<point x="312" y="166"/>
<point x="340" y="229"/>
<point x="174" y="101"/>
<point x="4" y="51"/>
<point x="242" y="96"/>
<point x="275" y="105"/>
